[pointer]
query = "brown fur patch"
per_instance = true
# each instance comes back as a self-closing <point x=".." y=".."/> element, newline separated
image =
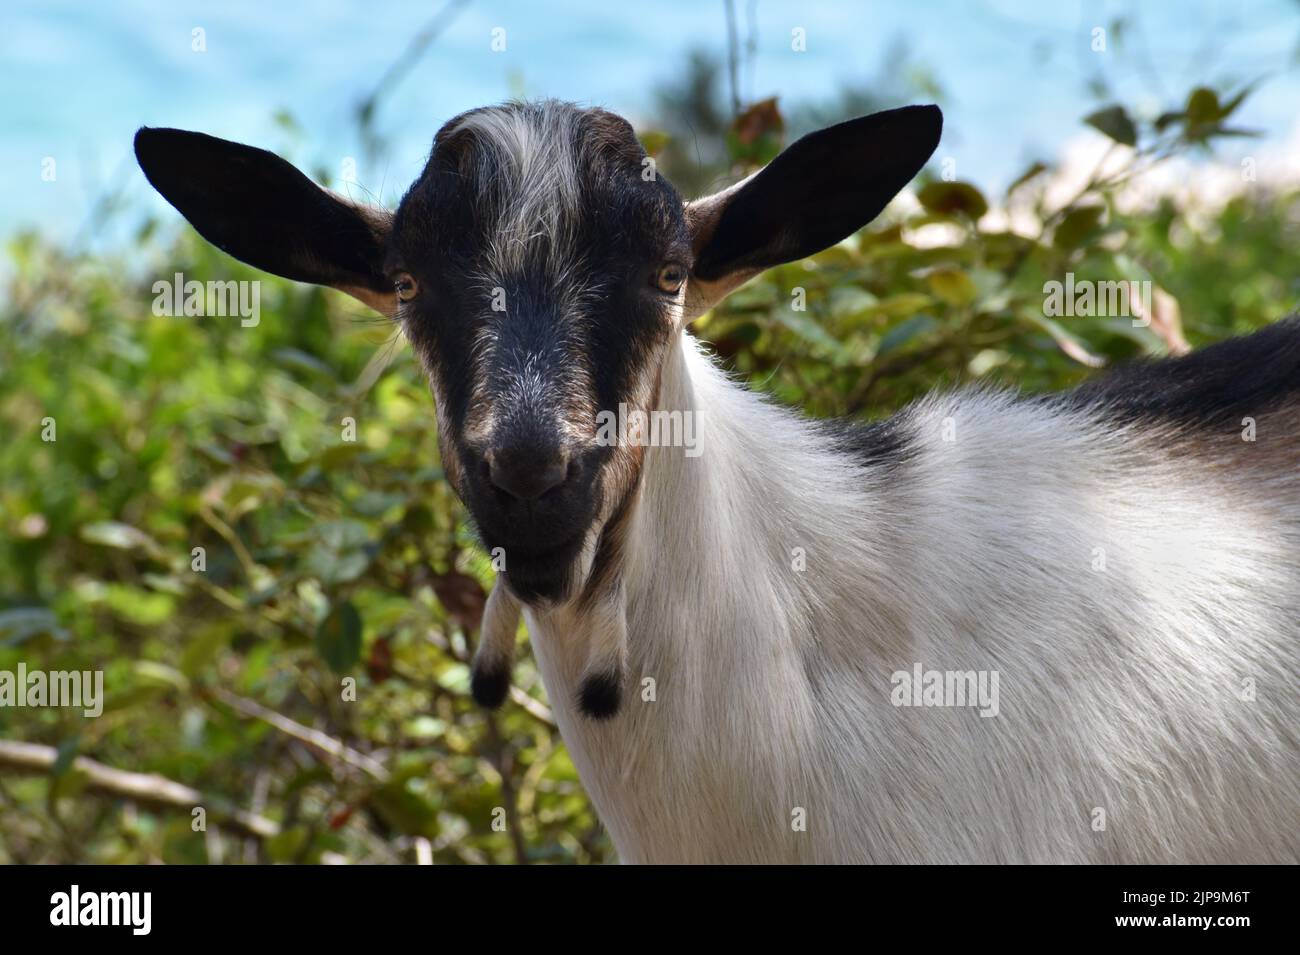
<point x="607" y="563"/>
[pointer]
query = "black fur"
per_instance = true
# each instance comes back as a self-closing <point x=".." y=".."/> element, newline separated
<point x="786" y="212"/>
<point x="260" y="209"/>
<point x="874" y="444"/>
<point x="600" y="695"/>
<point x="1212" y="387"/>
<point x="489" y="686"/>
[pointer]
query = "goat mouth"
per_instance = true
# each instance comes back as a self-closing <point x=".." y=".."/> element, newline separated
<point x="543" y="581"/>
<point x="542" y="572"/>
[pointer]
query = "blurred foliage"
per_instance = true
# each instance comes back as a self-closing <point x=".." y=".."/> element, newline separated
<point x="702" y="143"/>
<point x="325" y="558"/>
<point x="944" y="294"/>
<point x="330" y="560"/>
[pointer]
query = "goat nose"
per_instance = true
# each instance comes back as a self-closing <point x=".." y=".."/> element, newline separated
<point x="527" y="476"/>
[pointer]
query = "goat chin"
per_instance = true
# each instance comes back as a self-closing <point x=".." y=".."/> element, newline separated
<point x="1137" y="609"/>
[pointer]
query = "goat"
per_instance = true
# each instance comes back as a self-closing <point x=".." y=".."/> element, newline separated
<point x="735" y="642"/>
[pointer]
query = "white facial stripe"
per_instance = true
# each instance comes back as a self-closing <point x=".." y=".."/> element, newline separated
<point x="528" y="162"/>
<point x="527" y="166"/>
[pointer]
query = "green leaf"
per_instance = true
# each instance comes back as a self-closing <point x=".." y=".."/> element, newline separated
<point x="847" y="300"/>
<point x="334" y="568"/>
<point x="804" y="326"/>
<point x="738" y="333"/>
<point x="653" y="141"/>
<point x="406" y="811"/>
<point x="377" y="503"/>
<point x="132" y="696"/>
<point x="986" y="360"/>
<point x="67" y="753"/>
<point x="1114" y="121"/>
<point x="454" y="677"/>
<point x="121" y="536"/>
<point x="952" y="286"/>
<point x="160" y="674"/>
<point x="20" y="624"/>
<point x="1204" y="114"/>
<point x="285" y="846"/>
<point x="1067" y="341"/>
<point x="1032" y="172"/>
<point x="904" y="332"/>
<point x="1077" y="225"/>
<point x="338" y="638"/>
<point x="1203" y="106"/>
<point x="300" y="360"/>
<point x="202" y="648"/>
<point x="1230" y="107"/>
<point x="285" y="120"/>
<point x="1222" y="131"/>
<point x="343" y="534"/>
<point x="953" y="198"/>
<point x="147" y="608"/>
<point x="1165" y="120"/>
<point x="904" y="304"/>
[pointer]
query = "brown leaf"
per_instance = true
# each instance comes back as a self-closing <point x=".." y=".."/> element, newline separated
<point x="461" y="596"/>
<point x="1166" y="317"/>
<point x="760" y="118"/>
<point x="379" y="662"/>
<point x="339" y="819"/>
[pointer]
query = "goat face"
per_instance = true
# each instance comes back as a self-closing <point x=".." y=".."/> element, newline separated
<point x="550" y="264"/>
<point x="542" y="271"/>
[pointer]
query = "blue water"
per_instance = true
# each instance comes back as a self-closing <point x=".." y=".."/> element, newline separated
<point x="79" y="77"/>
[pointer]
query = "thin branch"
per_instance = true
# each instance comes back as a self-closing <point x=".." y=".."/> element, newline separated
<point x="148" y="788"/>
<point x="228" y="533"/>
<point x="315" y="739"/>
<point x="893" y="365"/>
<point x="414" y="50"/>
<point x="504" y="761"/>
<point x="733" y="56"/>
<point x="534" y="708"/>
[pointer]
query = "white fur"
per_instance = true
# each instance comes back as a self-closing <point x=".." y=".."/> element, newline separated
<point x="1121" y="689"/>
<point x="528" y="179"/>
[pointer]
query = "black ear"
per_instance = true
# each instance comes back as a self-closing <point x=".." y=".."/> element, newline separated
<point x="260" y="209"/>
<point x="820" y="190"/>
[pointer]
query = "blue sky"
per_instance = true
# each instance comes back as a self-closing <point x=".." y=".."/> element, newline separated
<point x="81" y="76"/>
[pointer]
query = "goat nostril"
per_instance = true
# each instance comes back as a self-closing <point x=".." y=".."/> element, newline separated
<point x="526" y="479"/>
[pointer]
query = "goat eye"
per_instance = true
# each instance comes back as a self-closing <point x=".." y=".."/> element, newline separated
<point x="670" y="278"/>
<point x="406" y="286"/>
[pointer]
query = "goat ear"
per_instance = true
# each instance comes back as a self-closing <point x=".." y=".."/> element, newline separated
<point x="263" y="211"/>
<point x="820" y="190"/>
